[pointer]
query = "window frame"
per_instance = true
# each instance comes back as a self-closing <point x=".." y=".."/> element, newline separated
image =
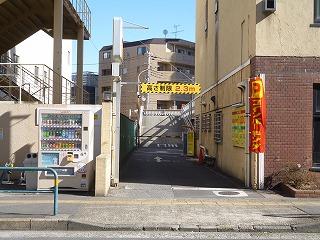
<point x="317" y="11"/>
<point x="141" y="51"/>
<point x="107" y="55"/>
<point x="218" y="127"/>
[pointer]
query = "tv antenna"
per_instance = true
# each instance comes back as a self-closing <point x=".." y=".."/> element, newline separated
<point x="176" y="30"/>
<point x="165" y="32"/>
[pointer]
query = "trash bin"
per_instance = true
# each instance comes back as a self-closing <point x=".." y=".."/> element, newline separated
<point x="31" y="160"/>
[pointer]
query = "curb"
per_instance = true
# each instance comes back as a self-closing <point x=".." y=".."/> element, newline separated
<point x="24" y="224"/>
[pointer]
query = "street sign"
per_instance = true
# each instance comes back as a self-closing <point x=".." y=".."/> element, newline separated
<point x="174" y="88"/>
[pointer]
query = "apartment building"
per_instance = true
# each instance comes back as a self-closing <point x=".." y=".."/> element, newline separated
<point x="90" y="85"/>
<point x="277" y="41"/>
<point x="157" y="60"/>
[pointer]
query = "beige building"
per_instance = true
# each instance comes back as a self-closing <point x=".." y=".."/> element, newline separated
<point x="157" y="60"/>
<point x="277" y="40"/>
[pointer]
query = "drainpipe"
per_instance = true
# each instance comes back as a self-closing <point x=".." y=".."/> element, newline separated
<point x="200" y="124"/>
<point x="247" y="143"/>
<point x="244" y="87"/>
<point x="261" y="155"/>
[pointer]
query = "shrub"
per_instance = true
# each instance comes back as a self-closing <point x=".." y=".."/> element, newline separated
<point x="296" y="176"/>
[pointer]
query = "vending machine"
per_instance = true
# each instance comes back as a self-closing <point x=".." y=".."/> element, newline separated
<point x="66" y="140"/>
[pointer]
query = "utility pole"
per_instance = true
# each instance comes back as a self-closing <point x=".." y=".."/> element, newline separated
<point x="148" y="78"/>
<point x="117" y="60"/>
<point x="117" y="83"/>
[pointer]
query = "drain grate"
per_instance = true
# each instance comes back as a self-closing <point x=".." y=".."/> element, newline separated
<point x="228" y="193"/>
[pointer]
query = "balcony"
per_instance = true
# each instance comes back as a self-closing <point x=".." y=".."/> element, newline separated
<point x="20" y="19"/>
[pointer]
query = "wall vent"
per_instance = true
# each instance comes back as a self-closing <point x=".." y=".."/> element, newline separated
<point x="269" y="5"/>
<point x="107" y="96"/>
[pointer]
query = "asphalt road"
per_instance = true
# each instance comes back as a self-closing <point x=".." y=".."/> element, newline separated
<point x="82" y="235"/>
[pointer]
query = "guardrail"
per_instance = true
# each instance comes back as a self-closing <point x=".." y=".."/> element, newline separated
<point x="37" y="169"/>
<point x="162" y="112"/>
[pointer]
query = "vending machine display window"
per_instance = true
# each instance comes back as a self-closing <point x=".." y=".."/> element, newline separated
<point x="48" y="159"/>
<point x="61" y="132"/>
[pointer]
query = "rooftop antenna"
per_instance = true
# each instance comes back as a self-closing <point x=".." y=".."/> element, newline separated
<point x="165" y="32"/>
<point x="176" y="30"/>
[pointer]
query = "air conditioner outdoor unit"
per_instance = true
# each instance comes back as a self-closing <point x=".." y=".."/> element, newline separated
<point x="269" y="5"/>
<point x="107" y="96"/>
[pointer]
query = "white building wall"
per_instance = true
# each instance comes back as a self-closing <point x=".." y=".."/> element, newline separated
<point x="38" y="49"/>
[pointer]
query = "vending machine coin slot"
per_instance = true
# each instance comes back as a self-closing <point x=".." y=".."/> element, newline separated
<point x="70" y="157"/>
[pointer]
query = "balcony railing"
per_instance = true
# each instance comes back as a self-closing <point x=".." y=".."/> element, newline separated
<point x="39" y="86"/>
<point x="83" y="11"/>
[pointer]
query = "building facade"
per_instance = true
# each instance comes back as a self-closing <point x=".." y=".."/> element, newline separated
<point x="90" y="84"/>
<point x="278" y="41"/>
<point x="157" y="60"/>
<point x="33" y="67"/>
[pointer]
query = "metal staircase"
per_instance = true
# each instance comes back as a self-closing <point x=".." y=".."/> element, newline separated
<point x="187" y="113"/>
<point x="19" y="19"/>
<point x="18" y="83"/>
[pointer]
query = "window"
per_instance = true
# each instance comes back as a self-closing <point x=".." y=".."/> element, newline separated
<point x="218" y="127"/>
<point x="36" y="74"/>
<point x="45" y="77"/>
<point x="69" y="58"/>
<point x="317" y="11"/>
<point x="16" y="59"/>
<point x="107" y="88"/>
<point x="196" y="127"/>
<point x="106" y="72"/>
<point x="316" y="126"/>
<point x="141" y="50"/>
<point x="190" y="53"/>
<point x="106" y="55"/>
<point x="138" y="69"/>
<point x="206" y="123"/>
<point x="181" y="51"/>
<point x="170" y="48"/>
<point x="206" y="20"/>
<point x="124" y="71"/>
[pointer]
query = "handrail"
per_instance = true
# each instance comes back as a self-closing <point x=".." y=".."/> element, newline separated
<point x="41" y="82"/>
<point x="37" y="169"/>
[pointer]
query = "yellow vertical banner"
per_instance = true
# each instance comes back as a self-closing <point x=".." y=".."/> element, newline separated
<point x="190" y="144"/>
<point x="238" y="127"/>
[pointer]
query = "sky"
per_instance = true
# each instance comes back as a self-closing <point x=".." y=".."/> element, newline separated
<point x="157" y="15"/>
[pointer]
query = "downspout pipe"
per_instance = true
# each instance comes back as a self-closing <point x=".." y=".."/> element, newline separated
<point x="244" y="86"/>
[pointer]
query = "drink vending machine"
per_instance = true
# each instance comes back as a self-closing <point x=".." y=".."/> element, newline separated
<point x="66" y="145"/>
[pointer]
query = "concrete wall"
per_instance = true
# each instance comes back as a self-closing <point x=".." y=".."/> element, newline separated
<point x="242" y="41"/>
<point x="222" y="57"/>
<point x="287" y="31"/>
<point x="21" y="134"/>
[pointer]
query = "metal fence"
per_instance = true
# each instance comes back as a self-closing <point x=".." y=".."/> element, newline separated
<point x="128" y="137"/>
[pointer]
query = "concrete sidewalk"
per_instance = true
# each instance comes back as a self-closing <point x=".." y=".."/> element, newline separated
<point x="146" y="211"/>
<point x="160" y="190"/>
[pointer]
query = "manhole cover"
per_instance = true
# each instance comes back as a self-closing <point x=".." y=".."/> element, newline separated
<point x="228" y="193"/>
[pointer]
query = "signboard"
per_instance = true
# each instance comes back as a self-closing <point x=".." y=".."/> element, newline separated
<point x="174" y="88"/>
<point x="257" y="116"/>
<point x="238" y="127"/>
<point x="190" y="144"/>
